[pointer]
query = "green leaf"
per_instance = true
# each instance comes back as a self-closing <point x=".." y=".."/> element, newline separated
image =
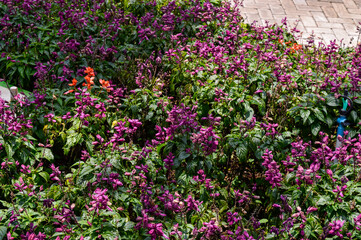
<point x="263" y="220"/>
<point x="21" y="71"/>
<point x="9" y="150"/>
<point x="149" y="115"/>
<point x="305" y="114"/>
<point x="319" y="114"/>
<point x="191" y="165"/>
<point x="3" y="231"/>
<point x="134" y="109"/>
<point x="183" y="155"/>
<point x="129" y="226"/>
<point x="45" y="175"/>
<point x="208" y="164"/>
<point x="324" y="200"/>
<point x="354" y="116"/>
<point x="233" y="142"/>
<point x="45" y="153"/>
<point x="85" y="171"/>
<point x="71" y="141"/>
<point x="357" y="100"/>
<point x="160" y="148"/>
<point x="332" y="101"/>
<point x="242" y="152"/>
<point x="329" y="121"/>
<point x="315" y="128"/>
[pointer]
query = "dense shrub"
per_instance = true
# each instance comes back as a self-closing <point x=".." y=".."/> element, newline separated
<point x="196" y="126"/>
<point x="45" y="42"/>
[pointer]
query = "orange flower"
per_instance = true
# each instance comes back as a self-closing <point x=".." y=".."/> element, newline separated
<point x="70" y="91"/>
<point x="89" y="71"/>
<point x="89" y="80"/>
<point x="295" y="47"/>
<point x="280" y="41"/>
<point x="89" y="86"/>
<point x="105" y="84"/>
<point x="74" y="82"/>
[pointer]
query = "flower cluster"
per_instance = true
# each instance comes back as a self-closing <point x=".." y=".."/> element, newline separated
<point x="272" y="175"/>
<point x="100" y="201"/>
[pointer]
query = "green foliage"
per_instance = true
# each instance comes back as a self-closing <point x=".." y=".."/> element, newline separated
<point x="192" y="125"/>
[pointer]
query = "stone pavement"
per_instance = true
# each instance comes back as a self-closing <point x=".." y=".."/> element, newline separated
<point x="5" y="94"/>
<point x="326" y="19"/>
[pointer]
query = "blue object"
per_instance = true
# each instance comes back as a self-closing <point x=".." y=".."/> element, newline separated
<point x="341" y="128"/>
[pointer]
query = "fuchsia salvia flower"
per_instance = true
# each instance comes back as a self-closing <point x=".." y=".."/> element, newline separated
<point x="339" y="190"/>
<point x="272" y="174"/>
<point x="168" y="161"/>
<point x="192" y="204"/>
<point x="100" y="201"/>
<point x="55" y="174"/>
<point x="311" y="209"/>
<point x="357" y="221"/>
<point x="336" y="228"/>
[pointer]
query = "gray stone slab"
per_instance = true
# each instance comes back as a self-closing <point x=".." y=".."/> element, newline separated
<point x="5" y="94"/>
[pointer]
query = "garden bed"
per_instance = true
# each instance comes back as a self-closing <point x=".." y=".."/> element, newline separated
<point x="173" y="120"/>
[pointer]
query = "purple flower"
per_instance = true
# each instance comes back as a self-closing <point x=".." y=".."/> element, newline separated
<point x="357" y="221"/>
<point x="176" y="231"/>
<point x="55" y="174"/>
<point x="192" y="204"/>
<point x="336" y="228"/>
<point x="272" y="175"/>
<point x="100" y="200"/>
<point x="311" y="209"/>
<point x="25" y="169"/>
<point x="201" y="176"/>
<point x="168" y="161"/>
<point x="210" y="229"/>
<point x="207" y="139"/>
<point x="339" y="190"/>
<point x="156" y="230"/>
<point x="33" y="236"/>
<point x="233" y="218"/>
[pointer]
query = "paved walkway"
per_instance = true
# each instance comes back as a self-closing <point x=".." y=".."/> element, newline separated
<point x="5" y="94"/>
<point x="327" y="19"/>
